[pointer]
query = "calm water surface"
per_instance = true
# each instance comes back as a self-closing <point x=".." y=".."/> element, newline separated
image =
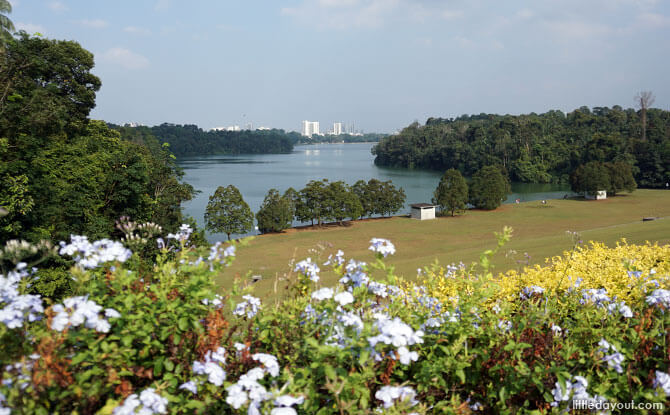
<point x="255" y="174"/>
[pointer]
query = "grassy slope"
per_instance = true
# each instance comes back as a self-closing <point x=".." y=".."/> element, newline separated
<point x="539" y="230"/>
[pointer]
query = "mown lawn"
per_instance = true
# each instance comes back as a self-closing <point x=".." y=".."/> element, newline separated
<point x="539" y="230"/>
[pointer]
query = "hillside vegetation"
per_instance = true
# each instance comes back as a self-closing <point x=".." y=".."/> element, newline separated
<point x="536" y="148"/>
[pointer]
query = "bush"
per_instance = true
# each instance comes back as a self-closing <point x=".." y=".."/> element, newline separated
<point x="162" y="341"/>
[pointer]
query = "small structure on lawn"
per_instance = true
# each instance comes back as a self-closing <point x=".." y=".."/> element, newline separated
<point x="423" y="211"/>
<point x="598" y="195"/>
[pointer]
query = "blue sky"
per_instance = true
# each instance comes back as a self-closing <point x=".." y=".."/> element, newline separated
<point x="380" y="64"/>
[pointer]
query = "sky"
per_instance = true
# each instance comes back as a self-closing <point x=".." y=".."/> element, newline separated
<point x="377" y="64"/>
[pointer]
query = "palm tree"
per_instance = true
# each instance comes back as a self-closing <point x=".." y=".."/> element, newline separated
<point x="6" y="25"/>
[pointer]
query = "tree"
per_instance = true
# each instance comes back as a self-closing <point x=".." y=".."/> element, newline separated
<point x="360" y="189"/>
<point x="451" y="194"/>
<point x="275" y="213"/>
<point x="621" y="178"/>
<point x="293" y="197"/>
<point x="488" y="188"/>
<point x="47" y="87"/>
<point x="342" y="202"/>
<point x="590" y="178"/>
<point x="312" y="202"/>
<point x="227" y="212"/>
<point x="392" y="199"/>
<point x="644" y="100"/>
<point x="6" y="25"/>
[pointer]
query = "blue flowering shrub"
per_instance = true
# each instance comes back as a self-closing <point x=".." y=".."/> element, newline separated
<point x="134" y="339"/>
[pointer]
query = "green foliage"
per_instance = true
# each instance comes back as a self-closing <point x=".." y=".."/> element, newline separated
<point x="190" y="140"/>
<point x="227" y="212"/>
<point x="6" y="25"/>
<point x="621" y="177"/>
<point x="489" y="188"/>
<point x="313" y="202"/>
<point x="275" y="214"/>
<point x="536" y="148"/>
<point x="451" y="194"/>
<point x="342" y="202"/>
<point x="336" y="352"/>
<point x="591" y="178"/>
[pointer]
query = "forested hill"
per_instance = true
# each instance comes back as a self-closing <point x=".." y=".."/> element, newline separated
<point x="190" y="140"/>
<point x="536" y="148"/>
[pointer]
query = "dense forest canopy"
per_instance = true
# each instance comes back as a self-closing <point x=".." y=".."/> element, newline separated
<point x="62" y="173"/>
<point x="536" y="148"/>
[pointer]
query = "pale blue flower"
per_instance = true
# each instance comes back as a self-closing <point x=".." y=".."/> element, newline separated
<point x="309" y="269"/>
<point x="91" y="255"/>
<point x="323" y="294"/>
<point x="190" y="386"/>
<point x="382" y="246"/>
<point x="406" y="357"/>
<point x="659" y="298"/>
<point x="249" y="307"/>
<point x="344" y="298"/>
<point x="389" y="394"/>
<point x="268" y="361"/>
<point x="662" y="381"/>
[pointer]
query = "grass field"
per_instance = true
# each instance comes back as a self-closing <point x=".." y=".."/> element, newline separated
<point x="539" y="231"/>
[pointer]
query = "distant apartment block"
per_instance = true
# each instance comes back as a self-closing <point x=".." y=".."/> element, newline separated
<point x="310" y="128"/>
<point x="337" y="128"/>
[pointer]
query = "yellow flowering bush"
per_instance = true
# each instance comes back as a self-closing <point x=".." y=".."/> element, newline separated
<point x="625" y="271"/>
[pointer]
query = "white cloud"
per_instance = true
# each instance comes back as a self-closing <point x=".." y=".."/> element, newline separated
<point x="94" y="23"/>
<point x="57" y="6"/>
<point x="125" y="58"/>
<point x="137" y="30"/>
<point x="452" y="14"/>
<point x="162" y="5"/>
<point x="30" y="28"/>
<point x="652" y="20"/>
<point x="525" y="14"/>
<point x="578" y="29"/>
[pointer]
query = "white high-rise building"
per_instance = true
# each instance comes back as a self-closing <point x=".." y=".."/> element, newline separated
<point x="337" y="128"/>
<point x="310" y="128"/>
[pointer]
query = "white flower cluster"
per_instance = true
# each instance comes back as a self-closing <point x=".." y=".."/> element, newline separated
<point x="662" y="381"/>
<point x="390" y="394"/>
<point x="308" y="268"/>
<point x="76" y="311"/>
<point x="338" y="259"/>
<point x="91" y="255"/>
<point x="382" y="246"/>
<point x="182" y="234"/>
<point x="613" y="360"/>
<point x="217" y="254"/>
<point x="621" y="308"/>
<point x="147" y="403"/>
<point x="397" y="334"/>
<point x="248" y="390"/>
<point x="211" y="367"/>
<point x="217" y="302"/>
<point x="249" y="307"/>
<point x="573" y="391"/>
<point x="17" y="308"/>
<point x="659" y="298"/>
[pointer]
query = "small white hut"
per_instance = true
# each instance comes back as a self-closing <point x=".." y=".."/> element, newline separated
<point x="423" y="211"/>
<point x="599" y="195"/>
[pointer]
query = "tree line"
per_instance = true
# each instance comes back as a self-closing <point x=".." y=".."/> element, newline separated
<point x="191" y="140"/>
<point x="538" y="148"/>
<point x="320" y="201"/>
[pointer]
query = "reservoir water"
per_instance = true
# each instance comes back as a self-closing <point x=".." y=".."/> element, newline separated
<point x="255" y="174"/>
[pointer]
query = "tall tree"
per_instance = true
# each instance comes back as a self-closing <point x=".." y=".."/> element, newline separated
<point x="590" y="178"/>
<point x="6" y="25"/>
<point x="342" y="202"/>
<point x="451" y="194"/>
<point x="392" y="198"/>
<point x="644" y="100"/>
<point x="312" y="202"/>
<point x="227" y="212"/>
<point x="489" y="188"/>
<point x="275" y="213"/>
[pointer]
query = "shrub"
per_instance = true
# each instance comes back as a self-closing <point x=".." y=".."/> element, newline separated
<point x="162" y="341"/>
